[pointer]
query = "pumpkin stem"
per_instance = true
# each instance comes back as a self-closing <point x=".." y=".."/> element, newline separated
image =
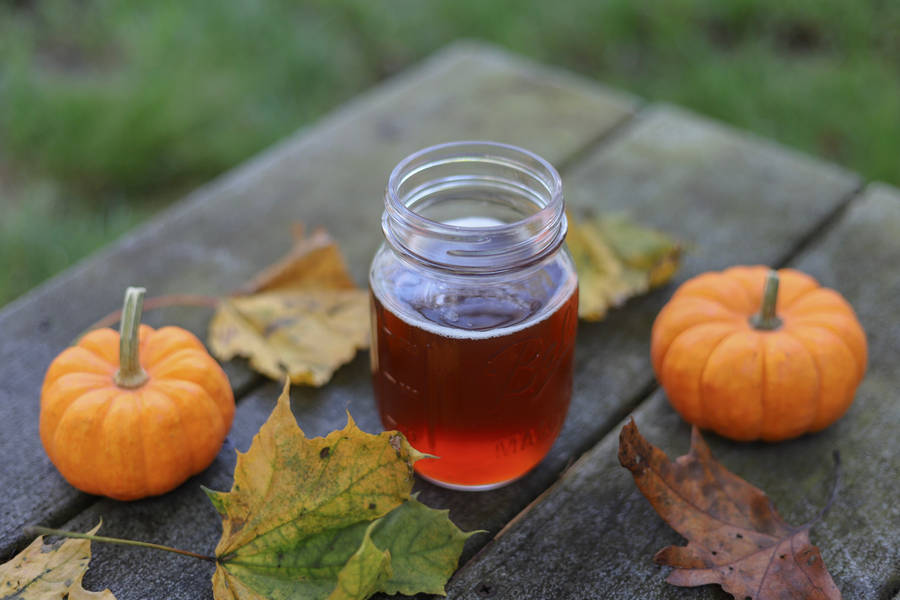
<point x="766" y="319"/>
<point x="37" y="530"/>
<point x="130" y="373"/>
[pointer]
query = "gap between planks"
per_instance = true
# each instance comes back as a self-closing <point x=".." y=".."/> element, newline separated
<point x="824" y="226"/>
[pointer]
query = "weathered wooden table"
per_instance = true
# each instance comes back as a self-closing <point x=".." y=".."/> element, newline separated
<point x="575" y="527"/>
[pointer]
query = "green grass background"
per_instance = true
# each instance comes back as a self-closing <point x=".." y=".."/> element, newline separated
<point x="109" y="110"/>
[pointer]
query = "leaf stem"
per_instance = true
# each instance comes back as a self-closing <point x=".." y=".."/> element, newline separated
<point x="108" y="540"/>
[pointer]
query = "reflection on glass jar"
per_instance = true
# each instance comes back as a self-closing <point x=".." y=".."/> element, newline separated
<point x="474" y="302"/>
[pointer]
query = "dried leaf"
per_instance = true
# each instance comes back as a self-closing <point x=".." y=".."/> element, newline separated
<point x="44" y="572"/>
<point x="328" y="518"/>
<point x="735" y="536"/>
<point x="616" y="260"/>
<point x="314" y="262"/>
<point x="301" y="317"/>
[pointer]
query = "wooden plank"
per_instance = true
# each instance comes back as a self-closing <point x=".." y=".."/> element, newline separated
<point x="612" y="362"/>
<point x="594" y="535"/>
<point x="332" y="174"/>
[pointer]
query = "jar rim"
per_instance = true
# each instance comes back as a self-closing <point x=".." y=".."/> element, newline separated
<point x="468" y="248"/>
<point x="394" y="203"/>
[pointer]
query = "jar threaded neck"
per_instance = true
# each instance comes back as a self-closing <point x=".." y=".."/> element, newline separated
<point x="474" y="208"/>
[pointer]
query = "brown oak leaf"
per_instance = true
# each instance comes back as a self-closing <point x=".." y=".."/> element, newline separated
<point x="735" y="536"/>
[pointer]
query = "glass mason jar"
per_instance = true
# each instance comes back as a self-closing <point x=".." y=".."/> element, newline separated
<point x="474" y="311"/>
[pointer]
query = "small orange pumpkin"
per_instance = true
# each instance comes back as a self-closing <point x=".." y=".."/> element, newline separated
<point x="135" y="413"/>
<point x="739" y="357"/>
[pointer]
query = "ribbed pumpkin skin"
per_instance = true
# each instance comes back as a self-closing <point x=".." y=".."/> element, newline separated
<point x="721" y="373"/>
<point x="132" y="443"/>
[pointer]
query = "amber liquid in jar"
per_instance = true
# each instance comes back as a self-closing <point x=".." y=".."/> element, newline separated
<point x="482" y="382"/>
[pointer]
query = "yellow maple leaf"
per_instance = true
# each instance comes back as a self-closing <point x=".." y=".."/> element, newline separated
<point x="302" y="317"/>
<point x="617" y="259"/>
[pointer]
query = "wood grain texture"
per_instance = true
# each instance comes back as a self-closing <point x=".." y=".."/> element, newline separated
<point x="594" y="535"/>
<point x="612" y="357"/>
<point x="332" y="174"/>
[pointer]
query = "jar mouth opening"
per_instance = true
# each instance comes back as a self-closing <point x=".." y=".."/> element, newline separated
<point x="473" y="150"/>
<point x="513" y="197"/>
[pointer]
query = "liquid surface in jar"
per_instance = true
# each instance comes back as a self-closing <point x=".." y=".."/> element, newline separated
<point x="480" y="378"/>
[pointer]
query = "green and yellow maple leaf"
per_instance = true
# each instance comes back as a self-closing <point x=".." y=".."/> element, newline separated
<point x="46" y="572"/>
<point x="328" y="517"/>
<point x="617" y="259"/>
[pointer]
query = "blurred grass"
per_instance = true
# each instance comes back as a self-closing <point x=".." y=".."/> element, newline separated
<point x="108" y="110"/>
